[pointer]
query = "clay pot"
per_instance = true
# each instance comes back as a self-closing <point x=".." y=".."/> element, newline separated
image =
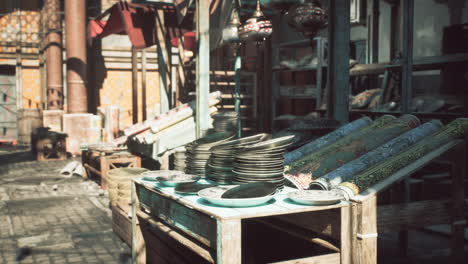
<point x="308" y="18"/>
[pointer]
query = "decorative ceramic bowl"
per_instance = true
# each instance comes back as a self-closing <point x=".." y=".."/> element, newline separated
<point x="213" y="196"/>
<point x="175" y="179"/>
<point x="315" y="197"/>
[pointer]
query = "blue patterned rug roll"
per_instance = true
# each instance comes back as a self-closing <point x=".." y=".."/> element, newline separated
<point x="389" y="149"/>
<point x="326" y="140"/>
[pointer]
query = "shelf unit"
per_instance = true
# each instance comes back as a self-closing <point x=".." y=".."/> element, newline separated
<point x="308" y="91"/>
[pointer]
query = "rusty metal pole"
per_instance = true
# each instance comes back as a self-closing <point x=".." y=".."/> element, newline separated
<point x="134" y="85"/>
<point x="75" y="22"/>
<point x="53" y="51"/>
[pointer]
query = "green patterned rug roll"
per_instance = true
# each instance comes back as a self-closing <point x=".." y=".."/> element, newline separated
<point x="456" y="129"/>
<point x="302" y="172"/>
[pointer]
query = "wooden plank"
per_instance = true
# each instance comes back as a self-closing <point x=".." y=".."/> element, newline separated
<point x="121" y="224"/>
<point x="172" y="241"/>
<point x="346" y="235"/>
<point x="163" y="60"/>
<point x="325" y="223"/>
<point x="298" y="231"/>
<point x="404" y="216"/>
<point x="196" y="224"/>
<point x="408" y="170"/>
<point x="367" y="231"/>
<point x="457" y="215"/>
<point x="433" y="62"/>
<point x="228" y="245"/>
<point x="138" y="242"/>
<point x="279" y="205"/>
<point x="323" y="259"/>
<point x="338" y="66"/>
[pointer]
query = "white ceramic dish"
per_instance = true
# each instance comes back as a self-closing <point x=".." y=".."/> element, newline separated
<point x="175" y="179"/>
<point x="213" y="195"/>
<point x="152" y="175"/>
<point x="315" y="197"/>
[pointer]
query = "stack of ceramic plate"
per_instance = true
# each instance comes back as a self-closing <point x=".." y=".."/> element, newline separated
<point x="198" y="152"/>
<point x="225" y="121"/>
<point x="262" y="162"/>
<point x="179" y="159"/>
<point x="220" y="165"/>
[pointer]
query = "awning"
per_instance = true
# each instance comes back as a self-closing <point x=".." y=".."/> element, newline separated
<point x="137" y="21"/>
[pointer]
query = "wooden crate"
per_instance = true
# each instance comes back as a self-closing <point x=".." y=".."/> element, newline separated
<point x="98" y="164"/>
<point x="121" y="222"/>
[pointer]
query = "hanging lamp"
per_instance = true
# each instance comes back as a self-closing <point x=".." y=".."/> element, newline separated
<point x="256" y="28"/>
<point x="308" y="18"/>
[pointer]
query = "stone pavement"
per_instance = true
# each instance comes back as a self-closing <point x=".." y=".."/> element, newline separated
<point x="47" y="218"/>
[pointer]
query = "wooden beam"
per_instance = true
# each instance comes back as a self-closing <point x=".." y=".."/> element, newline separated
<point x="202" y="116"/>
<point x="322" y="259"/>
<point x="458" y="220"/>
<point x="338" y="49"/>
<point x="163" y="60"/>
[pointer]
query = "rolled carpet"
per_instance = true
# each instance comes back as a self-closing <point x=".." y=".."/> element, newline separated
<point x="302" y="172"/>
<point x="326" y="140"/>
<point x="455" y="129"/>
<point x="389" y="149"/>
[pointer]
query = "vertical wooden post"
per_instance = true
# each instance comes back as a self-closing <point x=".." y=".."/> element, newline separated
<point x="338" y="60"/>
<point x="365" y="246"/>
<point x="345" y="231"/>
<point x="143" y="83"/>
<point x="407" y="55"/>
<point x="228" y="246"/>
<point x="138" y="242"/>
<point x="134" y="85"/>
<point x="162" y="61"/>
<point x="458" y="157"/>
<point x="202" y="67"/>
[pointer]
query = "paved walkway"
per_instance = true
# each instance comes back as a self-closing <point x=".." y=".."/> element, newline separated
<point x="46" y="218"/>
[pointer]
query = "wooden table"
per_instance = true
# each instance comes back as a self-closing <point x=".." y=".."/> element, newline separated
<point x="215" y="232"/>
<point x="99" y="163"/>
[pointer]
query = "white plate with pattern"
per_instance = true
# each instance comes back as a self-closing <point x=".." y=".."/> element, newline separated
<point x="315" y="197"/>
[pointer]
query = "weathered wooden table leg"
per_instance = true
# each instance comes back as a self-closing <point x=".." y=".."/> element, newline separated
<point x="104" y="170"/>
<point x="364" y="248"/>
<point x="346" y="228"/>
<point x="138" y="242"/>
<point x="228" y="245"/>
<point x="458" y="157"/>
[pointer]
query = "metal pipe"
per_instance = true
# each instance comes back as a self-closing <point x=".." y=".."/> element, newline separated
<point x="53" y="50"/>
<point x="75" y="26"/>
<point x="134" y="85"/>
<point x="338" y="71"/>
<point x="203" y="67"/>
<point x="143" y="83"/>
